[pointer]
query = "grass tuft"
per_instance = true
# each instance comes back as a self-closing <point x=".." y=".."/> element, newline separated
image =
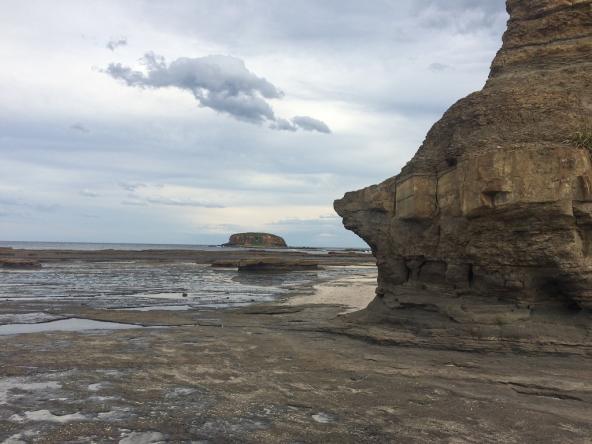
<point x="582" y="139"/>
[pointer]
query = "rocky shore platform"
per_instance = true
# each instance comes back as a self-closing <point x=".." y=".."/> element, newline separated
<point x="297" y="370"/>
<point x="227" y="255"/>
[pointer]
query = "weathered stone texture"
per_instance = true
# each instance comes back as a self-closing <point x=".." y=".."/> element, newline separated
<point x="496" y="203"/>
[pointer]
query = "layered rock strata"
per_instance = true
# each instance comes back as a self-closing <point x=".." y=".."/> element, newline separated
<point x="497" y="202"/>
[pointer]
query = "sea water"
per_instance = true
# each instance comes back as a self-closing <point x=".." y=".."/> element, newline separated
<point x="91" y="246"/>
<point x="146" y="285"/>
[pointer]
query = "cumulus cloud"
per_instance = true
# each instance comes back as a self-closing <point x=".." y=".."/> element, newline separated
<point x="113" y="44"/>
<point x="219" y="82"/>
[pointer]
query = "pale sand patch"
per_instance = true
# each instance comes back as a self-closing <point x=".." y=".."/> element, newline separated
<point x="354" y="292"/>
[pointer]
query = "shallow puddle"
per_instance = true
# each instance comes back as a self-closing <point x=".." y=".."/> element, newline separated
<point x="175" y="295"/>
<point x="71" y="324"/>
<point x="159" y="307"/>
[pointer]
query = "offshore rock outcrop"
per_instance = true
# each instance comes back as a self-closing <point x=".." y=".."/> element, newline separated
<point x="496" y="205"/>
<point x="255" y="240"/>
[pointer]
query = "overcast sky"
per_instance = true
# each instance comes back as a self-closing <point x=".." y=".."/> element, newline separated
<point x="186" y="120"/>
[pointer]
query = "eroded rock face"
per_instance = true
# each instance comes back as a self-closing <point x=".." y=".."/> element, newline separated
<point x="496" y="203"/>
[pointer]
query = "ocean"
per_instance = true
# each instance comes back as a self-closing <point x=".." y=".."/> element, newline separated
<point x="90" y="246"/>
<point x="93" y="246"/>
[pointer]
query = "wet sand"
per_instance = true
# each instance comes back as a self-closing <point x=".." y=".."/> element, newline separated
<point x="352" y="293"/>
<point x="286" y="372"/>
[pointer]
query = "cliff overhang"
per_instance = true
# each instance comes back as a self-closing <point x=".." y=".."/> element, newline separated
<point x="496" y="205"/>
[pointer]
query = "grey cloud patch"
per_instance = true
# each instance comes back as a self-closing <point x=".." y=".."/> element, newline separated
<point x="141" y="201"/>
<point x="226" y="229"/>
<point x="439" y="67"/>
<point x="219" y="82"/>
<point x="131" y="186"/>
<point x="134" y="203"/>
<point x="79" y="127"/>
<point x="177" y="202"/>
<point x="310" y="124"/>
<point x="88" y="193"/>
<point x="113" y="44"/>
<point x="461" y="16"/>
<point x="283" y="125"/>
<point x="301" y="122"/>
<point x="323" y="231"/>
<point x="43" y="207"/>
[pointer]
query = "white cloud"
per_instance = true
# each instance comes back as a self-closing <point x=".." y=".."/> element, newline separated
<point x="222" y="83"/>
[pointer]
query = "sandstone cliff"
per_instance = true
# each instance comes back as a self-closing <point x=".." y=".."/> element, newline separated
<point x="496" y="204"/>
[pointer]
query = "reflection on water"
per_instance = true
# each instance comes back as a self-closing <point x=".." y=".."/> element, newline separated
<point x="267" y="279"/>
<point x="181" y="307"/>
<point x="142" y="284"/>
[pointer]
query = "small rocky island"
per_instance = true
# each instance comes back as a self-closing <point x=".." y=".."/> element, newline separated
<point x="262" y="240"/>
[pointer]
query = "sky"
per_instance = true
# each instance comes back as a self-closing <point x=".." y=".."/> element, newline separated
<point x="188" y="120"/>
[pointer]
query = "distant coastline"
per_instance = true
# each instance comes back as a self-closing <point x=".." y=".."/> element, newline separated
<point x="94" y="246"/>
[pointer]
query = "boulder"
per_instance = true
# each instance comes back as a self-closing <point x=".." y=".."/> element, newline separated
<point x="265" y="240"/>
<point x="497" y="201"/>
<point x="20" y="264"/>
